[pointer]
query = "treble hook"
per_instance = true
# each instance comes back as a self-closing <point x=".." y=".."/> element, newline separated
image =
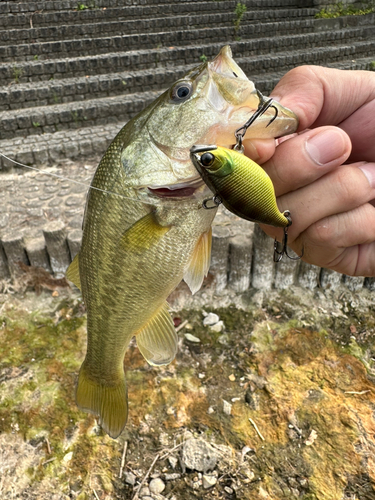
<point x="262" y="108"/>
<point x="278" y="254"/>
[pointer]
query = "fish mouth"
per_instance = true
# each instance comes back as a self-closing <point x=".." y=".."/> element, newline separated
<point x="181" y="190"/>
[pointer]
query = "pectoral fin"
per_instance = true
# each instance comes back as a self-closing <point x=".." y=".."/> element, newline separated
<point x="144" y="234"/>
<point x="199" y="263"/>
<point x="72" y="273"/>
<point x="157" y="341"/>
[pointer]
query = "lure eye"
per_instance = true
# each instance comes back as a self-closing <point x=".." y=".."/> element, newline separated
<point x="181" y="92"/>
<point x="207" y="159"/>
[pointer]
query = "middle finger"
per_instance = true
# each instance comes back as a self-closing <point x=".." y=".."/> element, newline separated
<point x="305" y="158"/>
<point x="341" y="190"/>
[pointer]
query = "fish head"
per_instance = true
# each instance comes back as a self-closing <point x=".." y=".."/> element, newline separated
<point x="206" y="106"/>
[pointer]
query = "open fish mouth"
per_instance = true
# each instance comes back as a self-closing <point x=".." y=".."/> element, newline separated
<point x="181" y="190"/>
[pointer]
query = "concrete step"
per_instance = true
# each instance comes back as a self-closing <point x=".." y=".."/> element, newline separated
<point x="36" y="94"/>
<point x="144" y="24"/>
<point x="140" y="25"/>
<point x="173" y="65"/>
<point x="74" y="115"/>
<point x="47" y="148"/>
<point x="175" y="37"/>
<point x="16" y="7"/>
<point x="71" y="17"/>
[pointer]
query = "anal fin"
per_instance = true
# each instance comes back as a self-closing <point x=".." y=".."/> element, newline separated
<point x="157" y="341"/>
<point x="199" y="263"/>
<point x="72" y="273"/>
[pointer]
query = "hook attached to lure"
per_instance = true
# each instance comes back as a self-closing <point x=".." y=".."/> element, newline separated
<point x="264" y="104"/>
<point x="278" y="254"/>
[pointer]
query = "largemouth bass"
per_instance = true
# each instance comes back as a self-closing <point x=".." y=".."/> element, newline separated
<point x="241" y="184"/>
<point x="139" y="244"/>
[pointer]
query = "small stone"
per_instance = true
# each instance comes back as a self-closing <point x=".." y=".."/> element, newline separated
<point x="248" y="473"/>
<point x="172" y="477"/>
<point x="210" y="319"/>
<point x="67" y="458"/>
<point x="227" y="407"/>
<point x="172" y="461"/>
<point x="130" y="478"/>
<point x="191" y="338"/>
<point x="310" y="440"/>
<point x="223" y="339"/>
<point x="228" y="490"/>
<point x="198" y="455"/>
<point x="210" y="410"/>
<point x="157" y="485"/>
<point x="217" y="327"/>
<point x="144" y="492"/>
<point x="232" y="377"/>
<point x="164" y="439"/>
<point x="201" y="375"/>
<point x="209" y="481"/>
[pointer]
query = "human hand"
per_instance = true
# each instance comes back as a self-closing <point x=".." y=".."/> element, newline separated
<point x="331" y="203"/>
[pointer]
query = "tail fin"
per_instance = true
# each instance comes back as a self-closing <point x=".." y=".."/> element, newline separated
<point x="109" y="402"/>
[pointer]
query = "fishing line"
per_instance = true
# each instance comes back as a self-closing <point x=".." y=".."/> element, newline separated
<point x="75" y="182"/>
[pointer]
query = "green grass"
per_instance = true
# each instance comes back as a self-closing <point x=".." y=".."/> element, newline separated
<point x="239" y="12"/>
<point x="339" y="9"/>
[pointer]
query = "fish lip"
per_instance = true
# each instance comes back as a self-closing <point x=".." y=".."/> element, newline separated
<point x="184" y="189"/>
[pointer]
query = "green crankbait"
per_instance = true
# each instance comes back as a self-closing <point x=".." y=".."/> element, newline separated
<point x="242" y="186"/>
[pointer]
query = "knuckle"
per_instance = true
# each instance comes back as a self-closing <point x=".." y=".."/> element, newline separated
<point x="320" y="233"/>
<point x="348" y="186"/>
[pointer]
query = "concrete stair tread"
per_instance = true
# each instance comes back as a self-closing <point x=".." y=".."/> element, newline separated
<point x="41" y="19"/>
<point x="29" y="94"/>
<point x="174" y="36"/>
<point x="59" y="5"/>
<point x="144" y="59"/>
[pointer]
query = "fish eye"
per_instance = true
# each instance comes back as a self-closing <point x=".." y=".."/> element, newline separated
<point x="181" y="92"/>
<point x="207" y="159"/>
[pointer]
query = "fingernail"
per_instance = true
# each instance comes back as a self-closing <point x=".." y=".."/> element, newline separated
<point x="369" y="170"/>
<point x="325" y="146"/>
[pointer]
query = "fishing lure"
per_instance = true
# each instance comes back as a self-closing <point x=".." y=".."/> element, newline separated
<point x="243" y="187"/>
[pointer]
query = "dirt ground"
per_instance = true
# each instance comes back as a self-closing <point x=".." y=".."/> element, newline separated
<point x="281" y="397"/>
